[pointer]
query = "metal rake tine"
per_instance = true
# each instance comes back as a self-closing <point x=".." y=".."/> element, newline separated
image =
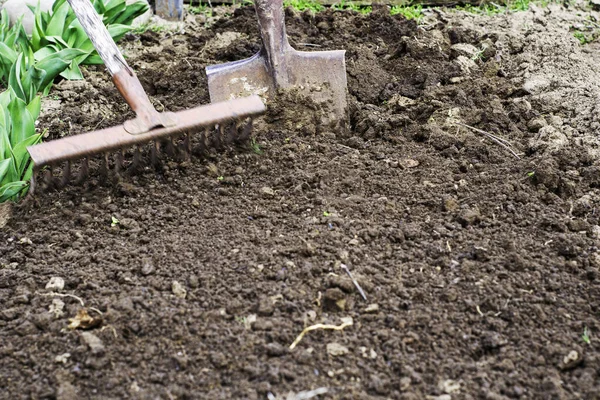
<point x="48" y="178"/>
<point x="246" y="132"/>
<point x="83" y="172"/>
<point x="154" y="149"/>
<point x="119" y="162"/>
<point x="137" y="159"/>
<point x="171" y="150"/>
<point x="105" y="166"/>
<point x="230" y="133"/>
<point x="216" y="141"/>
<point x="66" y="176"/>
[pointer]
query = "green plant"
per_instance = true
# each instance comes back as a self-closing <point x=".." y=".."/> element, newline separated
<point x="302" y="5"/>
<point x="586" y="336"/>
<point x="114" y="222"/>
<point x="29" y="73"/>
<point x="409" y="12"/>
<point x="17" y="131"/>
<point x="255" y="146"/>
<point x="59" y="29"/>
<point x="581" y="37"/>
<point x="200" y="8"/>
<point x="343" y="5"/>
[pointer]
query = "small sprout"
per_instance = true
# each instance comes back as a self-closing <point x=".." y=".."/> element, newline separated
<point x="114" y="222"/>
<point x="586" y="336"/>
<point x="530" y="174"/>
<point x="220" y="178"/>
<point x="255" y="146"/>
<point x="326" y="213"/>
<point x="287" y="139"/>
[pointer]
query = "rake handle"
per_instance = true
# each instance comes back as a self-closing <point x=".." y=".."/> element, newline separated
<point x="123" y="76"/>
<point x="271" y="20"/>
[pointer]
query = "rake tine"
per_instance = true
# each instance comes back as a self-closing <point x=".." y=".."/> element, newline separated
<point x="48" y="178"/>
<point x="83" y="172"/>
<point x="246" y="132"/>
<point x="171" y="151"/>
<point x="32" y="183"/>
<point x="104" y="166"/>
<point x="119" y="162"/>
<point x="154" y="149"/>
<point x="216" y="141"/>
<point x="137" y="159"/>
<point x="66" y="176"/>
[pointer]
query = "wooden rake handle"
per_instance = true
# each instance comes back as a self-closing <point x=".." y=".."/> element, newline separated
<point x="123" y="76"/>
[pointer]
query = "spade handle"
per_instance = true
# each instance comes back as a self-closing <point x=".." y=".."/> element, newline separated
<point x="275" y="43"/>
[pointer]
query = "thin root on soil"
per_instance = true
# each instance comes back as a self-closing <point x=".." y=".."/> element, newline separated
<point x="346" y="322"/>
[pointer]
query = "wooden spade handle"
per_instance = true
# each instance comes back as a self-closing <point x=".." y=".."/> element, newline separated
<point x="271" y="20"/>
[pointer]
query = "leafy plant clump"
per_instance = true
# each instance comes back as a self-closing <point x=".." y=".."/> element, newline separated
<point x="59" y="29"/>
<point x="17" y="131"/>
<point x="409" y="12"/>
<point x="29" y="65"/>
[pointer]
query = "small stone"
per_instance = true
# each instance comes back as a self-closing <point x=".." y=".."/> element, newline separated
<point x="372" y="308"/>
<point x="56" y="284"/>
<point x="469" y="217"/>
<point x="535" y="85"/>
<point x="536" y="124"/>
<point x="463" y="49"/>
<point x="571" y="360"/>
<point x="66" y="391"/>
<point x="147" y="266"/>
<point x="450" y="204"/>
<point x="408" y="163"/>
<point x="193" y="281"/>
<point x="267" y="192"/>
<point x="449" y="386"/>
<point x="336" y="349"/>
<point x="94" y="343"/>
<point x="62" y="358"/>
<point x="334" y="300"/>
<point x="9" y="314"/>
<point x="178" y="290"/>
<point x="265" y="307"/>
<point x="275" y="350"/>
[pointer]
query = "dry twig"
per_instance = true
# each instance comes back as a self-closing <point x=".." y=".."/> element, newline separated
<point x="498" y="140"/>
<point x="346" y="322"/>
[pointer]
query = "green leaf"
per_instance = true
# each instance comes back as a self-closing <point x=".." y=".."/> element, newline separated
<point x="22" y="123"/>
<point x="56" y="64"/>
<point x="4" y="166"/>
<point x="34" y="107"/>
<point x="11" y="190"/>
<point x="133" y="11"/>
<point x="14" y="78"/>
<point x="20" y="153"/>
<point x="32" y="82"/>
<point x="57" y="23"/>
<point x="117" y="31"/>
<point x="72" y="72"/>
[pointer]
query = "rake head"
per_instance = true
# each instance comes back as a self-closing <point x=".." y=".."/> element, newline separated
<point x="192" y="131"/>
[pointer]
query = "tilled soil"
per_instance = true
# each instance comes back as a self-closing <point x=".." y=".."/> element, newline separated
<point x="479" y="262"/>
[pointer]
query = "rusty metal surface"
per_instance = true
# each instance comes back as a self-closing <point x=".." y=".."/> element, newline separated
<point x="105" y="140"/>
<point x="132" y="91"/>
<point x="320" y="75"/>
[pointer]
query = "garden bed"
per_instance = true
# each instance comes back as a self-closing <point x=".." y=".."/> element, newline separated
<point x="480" y="269"/>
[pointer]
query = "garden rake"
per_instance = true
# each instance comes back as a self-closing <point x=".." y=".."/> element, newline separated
<point x="226" y="121"/>
<point x="318" y="75"/>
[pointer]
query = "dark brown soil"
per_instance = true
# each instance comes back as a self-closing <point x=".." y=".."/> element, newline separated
<point x="481" y="270"/>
